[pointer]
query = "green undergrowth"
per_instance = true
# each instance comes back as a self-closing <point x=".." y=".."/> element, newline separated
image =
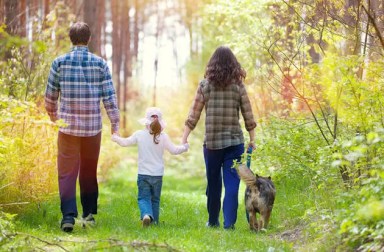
<point x="182" y="218"/>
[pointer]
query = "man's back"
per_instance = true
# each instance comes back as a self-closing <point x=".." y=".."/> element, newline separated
<point x="82" y="79"/>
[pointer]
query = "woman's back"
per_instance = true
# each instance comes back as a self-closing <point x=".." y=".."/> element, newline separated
<point x="222" y="106"/>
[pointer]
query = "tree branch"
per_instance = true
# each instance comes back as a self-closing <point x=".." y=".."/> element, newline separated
<point x="373" y="22"/>
<point x="41" y="240"/>
<point x="300" y="96"/>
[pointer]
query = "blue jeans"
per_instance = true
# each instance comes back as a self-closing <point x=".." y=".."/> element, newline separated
<point x="149" y="192"/>
<point x="218" y="164"/>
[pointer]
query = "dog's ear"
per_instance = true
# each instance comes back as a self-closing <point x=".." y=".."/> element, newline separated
<point x="269" y="177"/>
<point x="257" y="176"/>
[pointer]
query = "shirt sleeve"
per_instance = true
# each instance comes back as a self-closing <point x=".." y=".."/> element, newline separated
<point x="125" y="141"/>
<point x="246" y="109"/>
<point x="109" y="99"/>
<point x="172" y="148"/>
<point x="196" y="109"/>
<point x="52" y="92"/>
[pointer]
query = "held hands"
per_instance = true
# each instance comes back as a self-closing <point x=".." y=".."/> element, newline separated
<point x="115" y="132"/>
<point x="115" y="137"/>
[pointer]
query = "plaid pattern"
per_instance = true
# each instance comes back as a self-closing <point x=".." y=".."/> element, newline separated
<point x="82" y="80"/>
<point x="222" y="106"/>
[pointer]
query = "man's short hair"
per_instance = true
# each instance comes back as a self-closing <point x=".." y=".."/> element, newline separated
<point x="79" y="33"/>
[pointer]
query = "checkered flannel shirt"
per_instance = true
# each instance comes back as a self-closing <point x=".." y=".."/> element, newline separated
<point x="82" y="80"/>
<point x="222" y="105"/>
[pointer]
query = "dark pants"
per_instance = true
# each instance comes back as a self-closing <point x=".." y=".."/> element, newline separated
<point x="219" y="165"/>
<point x="78" y="156"/>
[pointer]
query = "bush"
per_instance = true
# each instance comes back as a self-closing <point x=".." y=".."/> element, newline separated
<point x="6" y="227"/>
<point x="362" y="223"/>
<point x="27" y="153"/>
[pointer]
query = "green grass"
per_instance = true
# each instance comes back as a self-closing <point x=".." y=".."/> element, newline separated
<point x="182" y="216"/>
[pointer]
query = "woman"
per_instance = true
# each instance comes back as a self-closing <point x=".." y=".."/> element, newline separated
<point x="223" y="95"/>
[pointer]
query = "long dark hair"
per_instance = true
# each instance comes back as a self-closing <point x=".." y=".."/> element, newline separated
<point x="223" y="68"/>
<point x="155" y="130"/>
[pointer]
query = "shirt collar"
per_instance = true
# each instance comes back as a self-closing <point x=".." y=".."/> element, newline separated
<point x="80" y="48"/>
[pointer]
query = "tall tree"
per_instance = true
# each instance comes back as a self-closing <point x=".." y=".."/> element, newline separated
<point x="101" y="28"/>
<point x="11" y="21"/>
<point x="351" y="20"/>
<point x="11" y="12"/>
<point x="136" y="27"/>
<point x="92" y="10"/>
<point x="23" y="18"/>
<point x="116" y="46"/>
<point x="47" y="8"/>
<point x="46" y="11"/>
<point x="127" y="61"/>
<point x="1" y="11"/>
<point x="190" y="19"/>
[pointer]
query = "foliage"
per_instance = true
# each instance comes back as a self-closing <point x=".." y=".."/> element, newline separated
<point x="319" y="111"/>
<point x="27" y="137"/>
<point x="353" y="218"/>
<point x="25" y="71"/>
<point x="301" y="152"/>
<point x="182" y="219"/>
<point x="357" y="101"/>
<point x="6" y="227"/>
<point x="362" y="225"/>
<point x="27" y="160"/>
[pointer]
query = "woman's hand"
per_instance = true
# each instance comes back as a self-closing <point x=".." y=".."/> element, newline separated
<point x="186" y="133"/>
<point x="252" y="145"/>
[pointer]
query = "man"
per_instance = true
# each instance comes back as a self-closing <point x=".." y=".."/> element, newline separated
<point x="80" y="80"/>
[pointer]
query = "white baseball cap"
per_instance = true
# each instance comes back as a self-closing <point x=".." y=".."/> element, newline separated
<point x="148" y="119"/>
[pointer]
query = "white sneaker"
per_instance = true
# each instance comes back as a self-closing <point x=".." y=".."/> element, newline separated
<point x="146" y="220"/>
<point x="88" y="221"/>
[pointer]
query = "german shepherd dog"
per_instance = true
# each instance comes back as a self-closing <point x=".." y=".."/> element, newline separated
<point x="259" y="197"/>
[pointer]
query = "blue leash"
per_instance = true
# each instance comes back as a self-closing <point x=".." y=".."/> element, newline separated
<point x="249" y="155"/>
<point x="248" y="158"/>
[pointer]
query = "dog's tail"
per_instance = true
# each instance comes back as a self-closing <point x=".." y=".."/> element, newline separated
<point x="246" y="175"/>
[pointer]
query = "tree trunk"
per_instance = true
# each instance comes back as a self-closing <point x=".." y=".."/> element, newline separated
<point x="127" y="58"/>
<point x="136" y="29"/>
<point x="352" y="31"/>
<point x="116" y="47"/>
<point x="92" y="9"/>
<point x="11" y="12"/>
<point x="376" y="11"/>
<point x="2" y="11"/>
<point x="47" y="9"/>
<point x="100" y="28"/>
<point x="23" y="19"/>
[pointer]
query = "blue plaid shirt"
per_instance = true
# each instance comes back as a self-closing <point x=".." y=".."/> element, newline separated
<point x="82" y="80"/>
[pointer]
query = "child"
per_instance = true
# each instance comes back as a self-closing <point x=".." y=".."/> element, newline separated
<point x="151" y="142"/>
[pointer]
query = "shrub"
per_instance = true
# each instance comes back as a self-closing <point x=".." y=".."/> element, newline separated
<point x="27" y="152"/>
<point x="362" y="223"/>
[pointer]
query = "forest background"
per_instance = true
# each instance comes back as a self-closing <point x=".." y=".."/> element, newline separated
<point x="315" y="77"/>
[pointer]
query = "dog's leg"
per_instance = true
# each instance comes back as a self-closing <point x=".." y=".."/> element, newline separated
<point x="266" y="219"/>
<point x="252" y="220"/>
<point x="264" y="216"/>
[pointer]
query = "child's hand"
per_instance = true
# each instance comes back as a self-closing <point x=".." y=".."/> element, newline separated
<point x="186" y="145"/>
<point x="115" y="137"/>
